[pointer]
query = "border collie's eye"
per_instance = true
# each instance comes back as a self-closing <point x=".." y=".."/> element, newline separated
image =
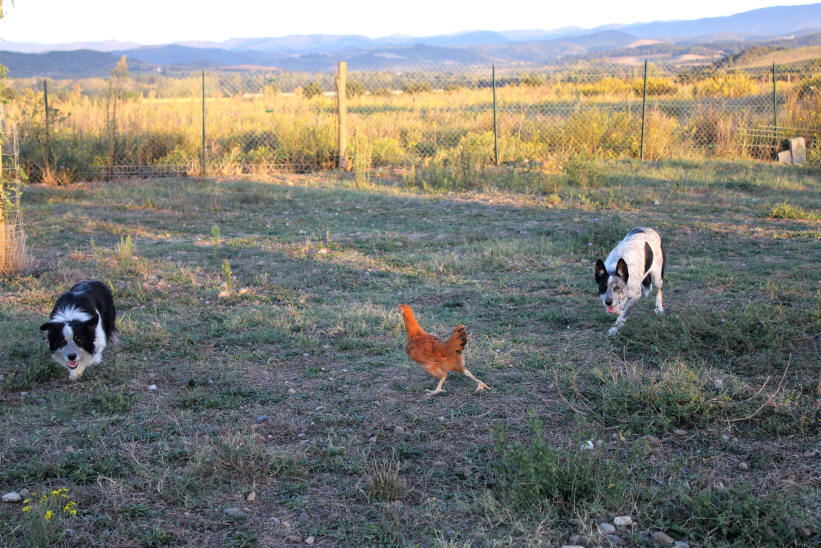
<point x="77" y="340"/>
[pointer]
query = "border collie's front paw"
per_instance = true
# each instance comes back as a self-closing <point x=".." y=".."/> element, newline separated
<point x="613" y="332"/>
<point x="659" y="311"/>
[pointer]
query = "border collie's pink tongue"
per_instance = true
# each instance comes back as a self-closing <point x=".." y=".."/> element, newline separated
<point x="611" y="309"/>
<point x="72" y="364"/>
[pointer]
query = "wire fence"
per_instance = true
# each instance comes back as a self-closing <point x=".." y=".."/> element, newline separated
<point x="245" y="121"/>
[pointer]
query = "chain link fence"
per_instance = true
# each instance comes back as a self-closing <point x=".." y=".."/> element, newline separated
<point x="247" y="121"/>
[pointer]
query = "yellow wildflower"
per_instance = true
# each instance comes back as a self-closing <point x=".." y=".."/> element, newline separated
<point x="49" y="514"/>
<point x="27" y="508"/>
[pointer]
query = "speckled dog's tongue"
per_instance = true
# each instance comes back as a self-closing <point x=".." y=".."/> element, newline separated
<point x="611" y="309"/>
<point x="73" y="365"/>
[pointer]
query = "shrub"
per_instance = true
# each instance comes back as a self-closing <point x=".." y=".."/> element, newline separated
<point x="808" y="87"/>
<point x="311" y="90"/>
<point x="354" y="88"/>
<point x="534" y="475"/>
<point x="655" y="86"/>
<point x="734" y="517"/>
<point x="788" y="211"/>
<point x="46" y="515"/>
<point x="417" y="87"/>
<point x="532" y="80"/>
<point x="387" y="151"/>
<point x="736" y="84"/>
<point x="13" y="255"/>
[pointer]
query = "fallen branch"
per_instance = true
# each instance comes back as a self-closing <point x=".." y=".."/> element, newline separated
<point x="559" y="390"/>
<point x="763" y="405"/>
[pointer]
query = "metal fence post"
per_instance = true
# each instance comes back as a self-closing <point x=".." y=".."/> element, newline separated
<point x="47" y="159"/>
<point x="202" y="158"/>
<point x="775" y="113"/>
<point x="643" y="110"/>
<point x="495" y="126"/>
<point x="342" y="115"/>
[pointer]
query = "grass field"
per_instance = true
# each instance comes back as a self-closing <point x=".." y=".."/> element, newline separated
<point x="277" y="355"/>
<point x="250" y="124"/>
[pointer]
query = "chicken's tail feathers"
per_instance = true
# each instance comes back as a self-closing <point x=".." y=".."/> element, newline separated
<point x="458" y="339"/>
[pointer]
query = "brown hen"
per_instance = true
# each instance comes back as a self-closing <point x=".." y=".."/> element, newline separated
<point x="437" y="357"/>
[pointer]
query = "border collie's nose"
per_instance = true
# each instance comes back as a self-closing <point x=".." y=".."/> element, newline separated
<point x="608" y="302"/>
<point x="72" y="357"/>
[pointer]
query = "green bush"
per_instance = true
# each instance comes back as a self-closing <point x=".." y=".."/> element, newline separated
<point x="311" y="90"/>
<point x="535" y="475"/>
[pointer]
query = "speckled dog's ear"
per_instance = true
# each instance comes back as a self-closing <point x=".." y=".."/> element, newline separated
<point x="621" y="270"/>
<point x="601" y="276"/>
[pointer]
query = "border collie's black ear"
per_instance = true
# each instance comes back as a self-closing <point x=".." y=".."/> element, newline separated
<point x="92" y="321"/>
<point x="621" y="270"/>
<point x="601" y="272"/>
<point x="46" y="326"/>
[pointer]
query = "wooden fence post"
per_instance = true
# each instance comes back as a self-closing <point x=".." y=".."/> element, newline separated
<point x="47" y="158"/>
<point x="643" y="110"/>
<point x="495" y="125"/>
<point x="202" y="158"/>
<point x="342" y="115"/>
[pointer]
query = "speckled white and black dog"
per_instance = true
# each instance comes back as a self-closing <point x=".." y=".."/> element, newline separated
<point x="81" y="324"/>
<point x="634" y="266"/>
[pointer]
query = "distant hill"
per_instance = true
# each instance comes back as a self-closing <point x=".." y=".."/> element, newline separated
<point x="63" y="64"/>
<point x="696" y="41"/>
<point x="759" y="23"/>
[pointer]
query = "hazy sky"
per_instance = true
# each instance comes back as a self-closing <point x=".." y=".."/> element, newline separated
<point x="162" y="21"/>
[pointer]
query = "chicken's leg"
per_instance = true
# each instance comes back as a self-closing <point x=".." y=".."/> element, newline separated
<point x="479" y="384"/>
<point x="438" y="387"/>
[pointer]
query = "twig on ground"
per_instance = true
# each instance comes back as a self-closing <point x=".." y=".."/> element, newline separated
<point x="559" y="390"/>
<point x="763" y="405"/>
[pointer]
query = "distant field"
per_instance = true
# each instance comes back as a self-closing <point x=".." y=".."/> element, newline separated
<point x="293" y="384"/>
<point x="783" y="57"/>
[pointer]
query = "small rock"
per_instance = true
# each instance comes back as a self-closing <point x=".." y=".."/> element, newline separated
<point x="275" y="522"/>
<point x="586" y="446"/>
<point x="294" y="538"/>
<point x="310" y="540"/>
<point x="743" y="466"/>
<point x="655" y="202"/>
<point x="578" y="539"/>
<point x="24" y="493"/>
<point x="292" y="391"/>
<point x="399" y="430"/>
<point x="607" y="528"/>
<point x="252" y="496"/>
<point x="262" y="418"/>
<point x="12" y="496"/>
<point x="680" y="432"/>
<point x="398" y="504"/>
<point x="617" y="540"/>
<point x="303" y="516"/>
<point x="652" y="440"/>
<point x="719" y="485"/>
<point x="680" y="544"/>
<point x="662" y="538"/>
<point x="440" y="463"/>
<point x="152" y="387"/>
<point x="718" y="383"/>
<point x="234" y="512"/>
<point x="621" y="521"/>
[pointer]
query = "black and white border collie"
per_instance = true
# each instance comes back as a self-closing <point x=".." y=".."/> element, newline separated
<point x="81" y="324"/>
<point x="634" y="266"/>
